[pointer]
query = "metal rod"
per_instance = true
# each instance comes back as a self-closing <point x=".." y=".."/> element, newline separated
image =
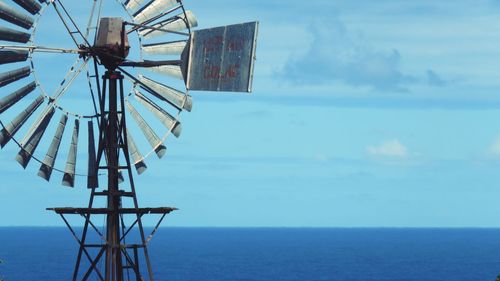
<point x="81" y="244"/>
<point x="73" y="22"/>
<point x="93" y="265"/>
<point x="132" y="187"/>
<point x="43" y="49"/>
<point x="95" y="229"/>
<point x="84" y="236"/>
<point x="171" y="10"/>
<point x="131" y="262"/>
<point x="98" y="84"/>
<point x="155" y="229"/>
<point x="91" y="17"/>
<point x="148" y="63"/>
<point x="64" y="22"/>
<point x="129" y="229"/>
<point x="124" y="250"/>
<point x="155" y="29"/>
<point x="113" y="255"/>
<point x="146" y="87"/>
<point x="136" y="259"/>
<point x="64" y="87"/>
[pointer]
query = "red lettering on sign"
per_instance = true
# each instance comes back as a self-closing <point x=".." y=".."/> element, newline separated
<point x="212" y="44"/>
<point x="235" y="44"/>
<point x="214" y="72"/>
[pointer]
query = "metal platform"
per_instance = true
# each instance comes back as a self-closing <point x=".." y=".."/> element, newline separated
<point x="105" y="211"/>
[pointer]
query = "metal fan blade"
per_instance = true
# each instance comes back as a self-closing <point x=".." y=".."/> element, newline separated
<point x="153" y="8"/>
<point x="10" y="100"/>
<point x="33" y="137"/>
<point x="165" y="118"/>
<point x="13" y="16"/>
<point x="168" y="70"/>
<point x="169" y="48"/>
<point x="92" y="179"/>
<point x="29" y="5"/>
<point x="11" y="129"/>
<point x="150" y="135"/>
<point x="14" y="75"/>
<point x="132" y="4"/>
<point x="171" y="95"/>
<point x="139" y="164"/>
<point x="12" y="35"/>
<point x="48" y="162"/>
<point x="69" y="171"/>
<point x="177" y="23"/>
<point x="13" y="56"/>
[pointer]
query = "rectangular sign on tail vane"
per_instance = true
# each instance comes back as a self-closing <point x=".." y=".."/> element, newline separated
<point x="222" y="58"/>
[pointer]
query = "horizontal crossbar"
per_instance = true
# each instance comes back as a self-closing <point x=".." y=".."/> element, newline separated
<point x="105" y="211"/>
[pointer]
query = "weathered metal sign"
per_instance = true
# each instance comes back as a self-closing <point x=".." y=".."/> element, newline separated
<point x="222" y="58"/>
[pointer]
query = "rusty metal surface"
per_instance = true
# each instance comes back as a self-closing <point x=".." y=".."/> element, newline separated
<point x="222" y="58"/>
<point x="83" y="211"/>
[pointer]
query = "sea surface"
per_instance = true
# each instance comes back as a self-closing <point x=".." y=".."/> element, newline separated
<point x="274" y="254"/>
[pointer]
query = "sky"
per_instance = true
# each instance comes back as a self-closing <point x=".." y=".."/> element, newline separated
<point x="363" y="114"/>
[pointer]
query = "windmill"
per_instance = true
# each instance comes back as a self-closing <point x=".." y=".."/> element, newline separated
<point x="161" y="33"/>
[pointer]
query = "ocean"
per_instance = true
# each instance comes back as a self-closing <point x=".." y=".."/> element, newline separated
<point x="275" y="254"/>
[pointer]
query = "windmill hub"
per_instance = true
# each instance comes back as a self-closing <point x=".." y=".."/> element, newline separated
<point x="111" y="46"/>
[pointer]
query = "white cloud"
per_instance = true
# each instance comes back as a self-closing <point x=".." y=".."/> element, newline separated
<point x="391" y="148"/>
<point x="338" y="54"/>
<point x="495" y="147"/>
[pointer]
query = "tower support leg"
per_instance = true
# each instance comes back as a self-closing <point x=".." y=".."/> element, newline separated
<point x="113" y="253"/>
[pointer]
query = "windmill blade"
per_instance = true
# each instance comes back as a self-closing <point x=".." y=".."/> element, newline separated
<point x="173" y="71"/>
<point x="132" y="4"/>
<point x="137" y="157"/>
<point x="92" y="179"/>
<point x="178" y="23"/>
<point x="168" y="48"/>
<point x="29" y="5"/>
<point x="12" y="35"/>
<point x="165" y="118"/>
<point x="10" y="100"/>
<point x="11" y="129"/>
<point x="48" y="162"/>
<point x="14" y="75"/>
<point x="69" y="171"/>
<point x="33" y="137"/>
<point x="153" y="8"/>
<point x="11" y="56"/>
<point x="169" y="94"/>
<point x="15" y="17"/>
<point x="150" y="135"/>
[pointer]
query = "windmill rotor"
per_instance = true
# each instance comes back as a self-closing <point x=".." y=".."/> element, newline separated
<point x="138" y="62"/>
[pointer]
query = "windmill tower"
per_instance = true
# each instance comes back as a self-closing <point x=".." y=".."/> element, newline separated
<point x="217" y="59"/>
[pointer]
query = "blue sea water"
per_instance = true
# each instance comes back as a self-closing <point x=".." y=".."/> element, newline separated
<point x="267" y="254"/>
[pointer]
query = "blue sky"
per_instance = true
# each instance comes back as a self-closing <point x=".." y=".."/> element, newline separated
<point x="364" y="114"/>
